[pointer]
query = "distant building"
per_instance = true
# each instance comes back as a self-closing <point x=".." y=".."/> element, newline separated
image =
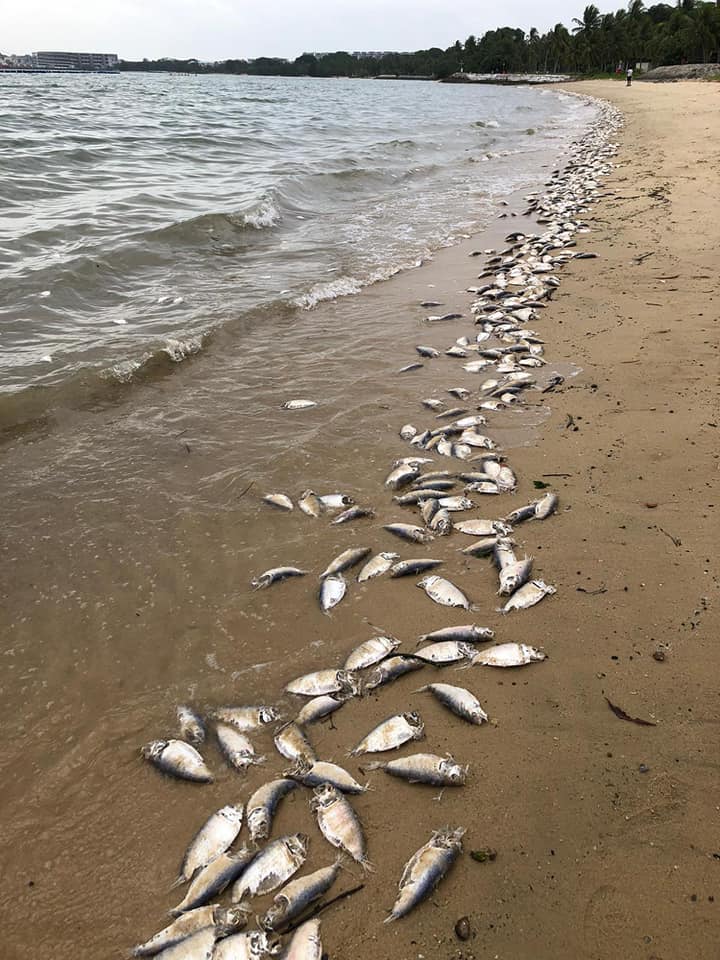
<point x="56" y="60"/>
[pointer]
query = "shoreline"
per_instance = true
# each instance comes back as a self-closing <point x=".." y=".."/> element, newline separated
<point x="557" y="755"/>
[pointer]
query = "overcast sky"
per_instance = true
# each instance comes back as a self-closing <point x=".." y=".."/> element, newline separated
<point x="219" y="29"/>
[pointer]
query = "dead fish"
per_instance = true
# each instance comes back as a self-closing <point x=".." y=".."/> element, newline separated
<point x="178" y="759"/>
<point x="299" y="404"/>
<point x="214" y="878"/>
<point x="378" y="565"/>
<point x="460" y="392"/>
<point x="371" y="652"/>
<point x="521" y="513"/>
<point x="407" y="431"/>
<point x="429" y="352"/>
<point x="476" y="420"/>
<point x="417" y="496"/>
<point x="424" y="768"/>
<point x="391" y="669"/>
<point x="454" y="412"/>
<point x="507" y="655"/>
<point x="410" y="366"/>
<point x="391" y="734"/>
<point x="220" y="920"/>
<point x="484" y="528"/>
<point x="313" y="774"/>
<point x="339" y="823"/>
<point x="458" y="700"/>
<point x="428" y="509"/>
<point x="262" y="805"/>
<point x="477" y="440"/>
<point x="310" y="504"/>
<point x="503" y="554"/>
<point x="514" y="575"/>
<point x="275" y="575"/>
<point x="546" y="505"/>
<point x="467" y="633"/>
<point x="354" y="513"/>
<point x="401" y="476"/>
<point x="213" y="838"/>
<point x="425" y="869"/>
<point x="319" y="707"/>
<point x="445" y="316"/>
<point x="484" y="487"/>
<point x="324" y="681"/>
<point x="247" y="946"/>
<point x="336" y="501"/>
<point x="441" y="521"/>
<point x="246" y="718"/>
<point x="279" y="500"/>
<point x="190" y="726"/>
<point x="445" y="651"/>
<point x="431" y="303"/>
<point x="444" y="592"/>
<point x="197" y="946"/>
<point x="528" y="595"/>
<point x="332" y="590"/>
<point x="296" y="896"/>
<point x="435" y="483"/>
<point x="272" y="867"/>
<point x="408" y="531"/>
<point x="481" y="548"/>
<point x="456" y="351"/>
<point x="348" y="558"/>
<point x="501" y="474"/>
<point x="305" y="943"/>
<point x="408" y="568"/>
<point x="237" y="748"/>
<point x="291" y="743"/>
<point x="455" y="504"/>
<point x="463" y="451"/>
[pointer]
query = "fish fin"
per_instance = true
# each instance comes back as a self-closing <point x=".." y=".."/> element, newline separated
<point x="367" y="866"/>
<point x="390" y="918"/>
<point x="180" y="880"/>
<point x="374" y="765"/>
<point x="421" y="689"/>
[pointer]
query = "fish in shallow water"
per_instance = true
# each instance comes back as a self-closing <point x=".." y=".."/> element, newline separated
<point x="246" y="718"/>
<point x="377" y="565"/>
<point x="401" y="475"/>
<point x="322" y="706"/>
<point x="280" y="500"/>
<point x="311" y="504"/>
<point x="211" y="880"/>
<point x="220" y="920"/>
<point x="236" y="747"/>
<point x="313" y="774"/>
<point x="408" y="531"/>
<point x="336" y="501"/>
<point x="466" y="633"/>
<point x="507" y="655"/>
<point x="391" y="734"/>
<point x="429" y="352"/>
<point x="410" y="366"/>
<point x="332" y="590"/>
<point x="392" y="668"/>
<point x="190" y="726"/>
<point x="305" y="943"/>
<point x="339" y="823"/>
<point x="354" y="513"/>
<point x="424" y="768"/>
<point x="348" y="558"/>
<point x="213" y="838"/>
<point x="460" y="701"/>
<point x="445" y="651"/>
<point x="248" y="946"/>
<point x="444" y="592"/>
<point x="272" y="867"/>
<point x="425" y="869"/>
<point x="299" y="404"/>
<point x="178" y="759"/>
<point x="407" y="431"/>
<point x="275" y="575"/>
<point x="296" y="896"/>
<point x="292" y="743"/>
<point x="262" y="804"/>
<point x="528" y="595"/>
<point x="371" y="652"/>
<point x="324" y="681"/>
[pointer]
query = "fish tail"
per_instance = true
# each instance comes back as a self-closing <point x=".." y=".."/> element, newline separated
<point x="375" y="765"/>
<point x="367" y="866"/>
<point x="179" y="881"/>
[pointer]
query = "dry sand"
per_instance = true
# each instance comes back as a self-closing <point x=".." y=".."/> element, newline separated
<point x="606" y="832"/>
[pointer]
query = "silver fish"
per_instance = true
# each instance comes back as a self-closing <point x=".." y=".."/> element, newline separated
<point x="306" y="943"/>
<point x="460" y="392"/>
<point x="391" y="669"/>
<point x="291" y="743"/>
<point x="262" y="804"/>
<point x="425" y="869"/>
<point x="377" y="565"/>
<point x="429" y="352"/>
<point x="280" y="500"/>
<point x="324" y="681"/>
<point x="391" y="734"/>
<point x="213" y="838"/>
<point x="434" y="483"/>
<point x="177" y="758"/>
<point x="407" y="531"/>
<point x="483" y="528"/>
<point x="237" y="748"/>
<point x="410" y="366"/>
<point x="528" y="595"/>
<point x="546" y="505"/>
<point x="503" y="553"/>
<point x="441" y="522"/>
<point x="444" y="592"/>
<point x="310" y="504"/>
<point x="339" y="823"/>
<point x="322" y="706"/>
<point x="275" y="575"/>
<point x="521" y="513"/>
<point x="424" y="768"/>
<point x="481" y="548"/>
<point x="507" y="655"/>
<point x="296" y="896"/>
<point x="212" y="879"/>
<point x="336" y="501"/>
<point x="460" y="701"/>
<point x="408" y="431"/>
<point x="409" y="568"/>
<point x="428" y="509"/>
<point x="456" y="503"/>
<point x="401" y="475"/>
<point x="332" y="590"/>
<point x="446" y="651"/>
<point x="514" y="575"/>
<point x="432" y="404"/>
<point x="299" y="404"/>
<point x="347" y="559"/>
<point x="247" y="946"/>
<point x="272" y="867"/>
<point x="354" y="513"/>
<point x="221" y="920"/>
<point x="313" y="774"/>
<point x="371" y="652"/>
<point x="485" y="487"/>
<point x="417" y="496"/>
<point x="467" y="633"/>
<point x="198" y="946"/>
<point x="246" y="718"/>
<point x="190" y="725"/>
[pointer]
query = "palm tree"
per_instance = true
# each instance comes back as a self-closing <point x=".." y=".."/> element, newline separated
<point x="590" y="21"/>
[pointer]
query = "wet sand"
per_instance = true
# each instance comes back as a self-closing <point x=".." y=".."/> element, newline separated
<point x="130" y="541"/>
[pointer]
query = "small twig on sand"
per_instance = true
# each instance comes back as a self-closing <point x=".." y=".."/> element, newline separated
<point x="241" y="495"/>
<point x="676" y="540"/>
<point x="643" y="256"/>
<point x="557" y="474"/>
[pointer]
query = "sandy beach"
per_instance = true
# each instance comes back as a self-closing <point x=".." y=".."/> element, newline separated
<point x="605" y="830"/>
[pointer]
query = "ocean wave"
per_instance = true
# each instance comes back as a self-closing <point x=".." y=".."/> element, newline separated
<point x="347" y="286"/>
<point x="264" y="216"/>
